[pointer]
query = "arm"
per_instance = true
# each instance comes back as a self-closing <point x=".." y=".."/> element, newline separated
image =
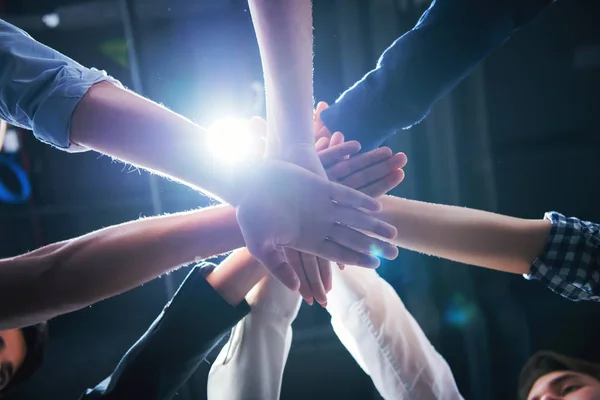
<point x="563" y="253"/>
<point x="371" y="321"/>
<point x="465" y="235"/>
<point x="251" y="363"/>
<point x="425" y="64"/>
<point x="69" y="275"/>
<point x="254" y="358"/>
<point x="76" y="108"/>
<point x="196" y="319"/>
<point x="284" y="33"/>
<point x="118" y="122"/>
<point x="40" y="88"/>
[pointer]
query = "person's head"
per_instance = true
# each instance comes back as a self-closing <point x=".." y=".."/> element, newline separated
<point x="552" y="376"/>
<point x="21" y="354"/>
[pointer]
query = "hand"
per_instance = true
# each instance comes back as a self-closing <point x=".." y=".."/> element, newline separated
<point x="374" y="173"/>
<point x="287" y="206"/>
<point x="314" y="273"/>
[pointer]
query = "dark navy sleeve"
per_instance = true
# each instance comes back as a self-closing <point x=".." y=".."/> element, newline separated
<point x="163" y="359"/>
<point x="424" y="64"/>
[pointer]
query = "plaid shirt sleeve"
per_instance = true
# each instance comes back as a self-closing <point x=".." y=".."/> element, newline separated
<point x="570" y="262"/>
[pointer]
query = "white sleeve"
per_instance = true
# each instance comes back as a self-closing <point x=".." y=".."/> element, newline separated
<point x="374" y="325"/>
<point x="250" y="365"/>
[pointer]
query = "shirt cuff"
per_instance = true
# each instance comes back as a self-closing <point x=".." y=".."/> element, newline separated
<point x="52" y="120"/>
<point x="570" y="262"/>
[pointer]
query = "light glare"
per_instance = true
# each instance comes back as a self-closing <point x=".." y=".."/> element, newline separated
<point x="230" y="141"/>
<point x="51" y="20"/>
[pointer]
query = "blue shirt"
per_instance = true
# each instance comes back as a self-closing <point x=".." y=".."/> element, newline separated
<point x="40" y="88"/>
<point x="425" y="64"/>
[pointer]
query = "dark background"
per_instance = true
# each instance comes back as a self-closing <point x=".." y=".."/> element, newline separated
<point x="519" y="137"/>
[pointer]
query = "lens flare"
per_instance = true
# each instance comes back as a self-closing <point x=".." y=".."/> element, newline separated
<point x="459" y="311"/>
<point x="230" y="141"/>
<point x="375" y="251"/>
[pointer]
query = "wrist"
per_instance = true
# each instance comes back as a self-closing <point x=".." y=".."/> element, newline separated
<point x="283" y="311"/>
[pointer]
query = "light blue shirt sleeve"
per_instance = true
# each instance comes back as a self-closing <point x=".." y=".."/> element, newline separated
<point x="40" y="88"/>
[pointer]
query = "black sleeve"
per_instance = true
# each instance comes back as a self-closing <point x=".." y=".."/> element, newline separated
<point x="161" y="361"/>
<point x="424" y="64"/>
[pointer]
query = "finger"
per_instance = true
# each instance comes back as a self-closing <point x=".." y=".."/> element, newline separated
<point x="345" y="196"/>
<point x="295" y="260"/>
<point x="341" y="266"/>
<point x="311" y="269"/>
<point x="383" y="185"/>
<point x="322" y="144"/>
<point x="359" y="241"/>
<point x="322" y="105"/>
<point x="337" y="153"/>
<point x="358" y="219"/>
<point x="343" y="255"/>
<point x="274" y="260"/>
<point x="258" y="126"/>
<point x="318" y="123"/>
<point x="322" y="132"/>
<point x="336" y="138"/>
<point x="326" y="274"/>
<point x="374" y="172"/>
<point x="346" y="168"/>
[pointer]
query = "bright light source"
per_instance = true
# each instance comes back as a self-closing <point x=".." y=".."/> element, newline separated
<point x="51" y="20"/>
<point x="231" y="141"/>
<point x="11" y="142"/>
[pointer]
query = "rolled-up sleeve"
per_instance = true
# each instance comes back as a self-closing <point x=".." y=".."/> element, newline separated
<point x="40" y="88"/>
<point x="569" y="265"/>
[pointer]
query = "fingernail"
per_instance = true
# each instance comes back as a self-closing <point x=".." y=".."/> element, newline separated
<point x="310" y="301"/>
<point x="324" y="305"/>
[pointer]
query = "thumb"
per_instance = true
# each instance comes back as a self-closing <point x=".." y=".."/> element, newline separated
<point x="318" y="123"/>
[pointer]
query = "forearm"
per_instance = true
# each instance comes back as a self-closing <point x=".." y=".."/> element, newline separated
<point x="123" y="125"/>
<point x="284" y="33"/>
<point x="236" y="275"/>
<point x="110" y="261"/>
<point x="252" y="362"/>
<point x="465" y="235"/>
<point x="254" y="358"/>
<point x="371" y="321"/>
<point x="189" y="327"/>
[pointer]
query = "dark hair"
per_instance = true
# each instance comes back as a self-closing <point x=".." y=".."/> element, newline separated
<point x="36" y="338"/>
<point x="545" y="362"/>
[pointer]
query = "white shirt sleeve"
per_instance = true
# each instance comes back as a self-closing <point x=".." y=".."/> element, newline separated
<point x="250" y="365"/>
<point x="386" y="341"/>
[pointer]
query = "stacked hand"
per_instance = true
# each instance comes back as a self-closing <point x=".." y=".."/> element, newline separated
<point x="373" y="173"/>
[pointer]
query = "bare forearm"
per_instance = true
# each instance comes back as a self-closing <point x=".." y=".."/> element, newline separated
<point x="105" y="263"/>
<point x="123" y="125"/>
<point x="284" y="33"/>
<point x="465" y="235"/>
<point x="236" y="275"/>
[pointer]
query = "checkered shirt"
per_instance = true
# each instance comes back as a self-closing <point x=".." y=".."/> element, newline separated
<point x="570" y="262"/>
